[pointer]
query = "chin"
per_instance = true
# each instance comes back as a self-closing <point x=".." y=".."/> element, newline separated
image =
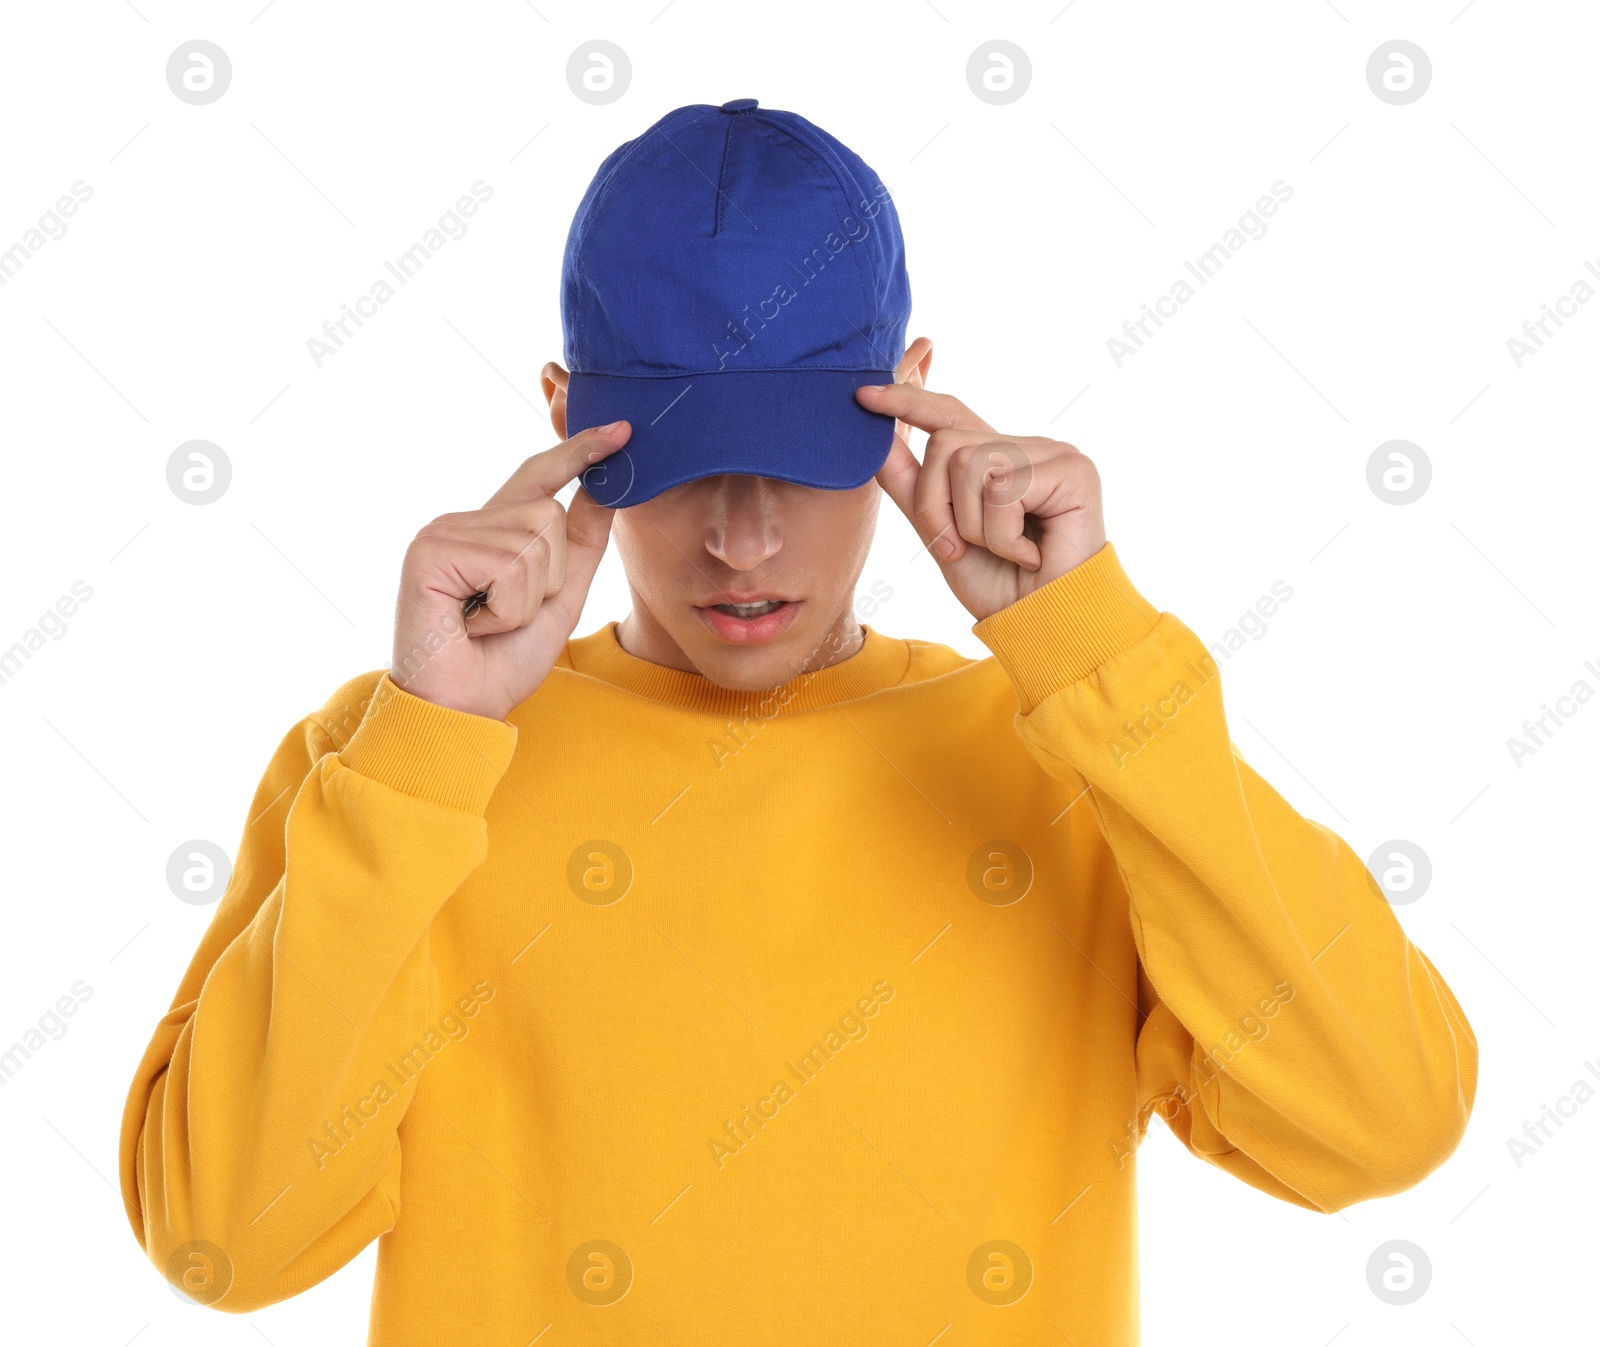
<point x="756" y="668"/>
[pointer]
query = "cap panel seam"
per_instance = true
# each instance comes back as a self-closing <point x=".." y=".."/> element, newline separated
<point x="581" y="244"/>
<point x="820" y="151"/>
<point x="722" y="177"/>
<point x="629" y="159"/>
<point x="815" y="161"/>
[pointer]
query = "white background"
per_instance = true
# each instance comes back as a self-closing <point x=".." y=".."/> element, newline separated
<point x="1233" y="450"/>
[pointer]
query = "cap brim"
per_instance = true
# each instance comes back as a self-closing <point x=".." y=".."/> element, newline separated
<point x="797" y="425"/>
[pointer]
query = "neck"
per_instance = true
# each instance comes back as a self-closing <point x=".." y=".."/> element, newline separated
<point x="643" y="637"/>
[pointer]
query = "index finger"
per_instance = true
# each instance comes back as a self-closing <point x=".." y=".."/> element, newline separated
<point x="546" y="473"/>
<point x="921" y="408"/>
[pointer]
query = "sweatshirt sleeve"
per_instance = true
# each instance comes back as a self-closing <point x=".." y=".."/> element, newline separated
<point x="245" y="1175"/>
<point x="1289" y="1032"/>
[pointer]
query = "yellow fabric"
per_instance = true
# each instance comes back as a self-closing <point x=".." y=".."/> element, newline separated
<point x="830" y="1015"/>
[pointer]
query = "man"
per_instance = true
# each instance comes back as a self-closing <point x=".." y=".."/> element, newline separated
<point x="738" y="973"/>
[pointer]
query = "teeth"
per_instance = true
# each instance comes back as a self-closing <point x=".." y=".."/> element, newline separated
<point x="751" y="609"/>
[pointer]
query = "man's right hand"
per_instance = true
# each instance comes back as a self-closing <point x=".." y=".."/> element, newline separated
<point x="532" y="559"/>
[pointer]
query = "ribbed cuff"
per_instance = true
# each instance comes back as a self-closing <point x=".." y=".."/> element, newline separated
<point x="433" y="752"/>
<point x="1066" y="629"/>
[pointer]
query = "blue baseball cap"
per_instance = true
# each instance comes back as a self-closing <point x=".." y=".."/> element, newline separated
<point x="731" y="277"/>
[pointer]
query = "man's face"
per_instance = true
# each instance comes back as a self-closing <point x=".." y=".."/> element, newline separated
<point x="696" y="550"/>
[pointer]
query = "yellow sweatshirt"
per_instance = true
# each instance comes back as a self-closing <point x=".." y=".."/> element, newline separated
<point x="831" y="1016"/>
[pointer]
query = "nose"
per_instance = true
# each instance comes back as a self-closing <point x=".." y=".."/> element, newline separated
<point x="743" y="528"/>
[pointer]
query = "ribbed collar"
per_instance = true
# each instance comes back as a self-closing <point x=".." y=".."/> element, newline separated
<point x="881" y="662"/>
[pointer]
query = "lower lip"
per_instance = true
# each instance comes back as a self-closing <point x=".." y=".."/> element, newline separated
<point x="749" y="630"/>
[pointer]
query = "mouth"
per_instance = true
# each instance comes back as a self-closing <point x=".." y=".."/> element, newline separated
<point x="753" y="623"/>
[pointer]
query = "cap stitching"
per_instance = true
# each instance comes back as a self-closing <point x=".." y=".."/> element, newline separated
<point x="815" y="153"/>
<point x="581" y="243"/>
<point x="722" y="177"/>
<point x="817" y="165"/>
<point x="628" y="159"/>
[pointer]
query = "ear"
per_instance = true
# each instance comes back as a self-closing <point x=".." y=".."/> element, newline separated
<point x="553" y="382"/>
<point x="913" y="369"/>
<point x="914" y="365"/>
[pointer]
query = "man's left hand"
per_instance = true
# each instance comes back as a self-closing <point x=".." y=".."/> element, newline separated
<point x="1002" y="514"/>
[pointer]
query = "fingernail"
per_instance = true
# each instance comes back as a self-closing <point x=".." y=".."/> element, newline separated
<point x="945" y="548"/>
<point x="606" y="430"/>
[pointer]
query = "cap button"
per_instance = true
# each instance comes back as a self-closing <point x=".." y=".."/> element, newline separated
<point x="739" y="105"/>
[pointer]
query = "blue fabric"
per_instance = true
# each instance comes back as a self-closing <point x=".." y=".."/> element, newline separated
<point x="730" y="278"/>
